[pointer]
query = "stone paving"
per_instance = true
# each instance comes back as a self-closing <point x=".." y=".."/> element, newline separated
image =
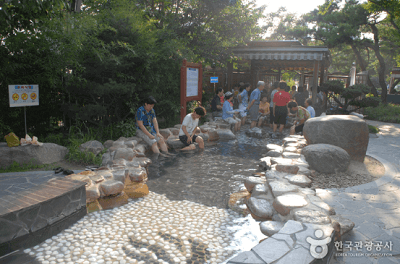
<point x="152" y="229"/>
<point x="373" y="207"/>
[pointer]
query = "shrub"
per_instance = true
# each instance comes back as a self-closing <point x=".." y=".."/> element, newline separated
<point x="351" y="95"/>
<point x="373" y="129"/>
<point x="384" y="112"/>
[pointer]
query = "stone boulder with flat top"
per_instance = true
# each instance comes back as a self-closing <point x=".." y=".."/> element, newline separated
<point x="345" y="131"/>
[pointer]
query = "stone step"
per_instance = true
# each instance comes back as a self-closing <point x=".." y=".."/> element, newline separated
<point x="36" y="207"/>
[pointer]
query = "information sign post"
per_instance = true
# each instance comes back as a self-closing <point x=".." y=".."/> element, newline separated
<point x="23" y="95"/>
<point x="214" y="80"/>
<point x="191" y="84"/>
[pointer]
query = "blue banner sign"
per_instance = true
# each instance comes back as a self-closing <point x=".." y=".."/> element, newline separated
<point x="213" y="79"/>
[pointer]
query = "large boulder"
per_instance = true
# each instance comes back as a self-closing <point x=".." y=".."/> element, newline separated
<point x="345" y="131"/>
<point x="225" y="134"/>
<point x="260" y="207"/>
<point x="326" y="158"/>
<point x="46" y="154"/>
<point x="175" y="143"/>
<point x="166" y="133"/>
<point x="174" y="131"/>
<point x="108" y="144"/>
<point x="124" y="153"/>
<point x="213" y="135"/>
<point x="93" y="146"/>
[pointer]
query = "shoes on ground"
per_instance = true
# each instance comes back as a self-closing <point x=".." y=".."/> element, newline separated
<point x="64" y="171"/>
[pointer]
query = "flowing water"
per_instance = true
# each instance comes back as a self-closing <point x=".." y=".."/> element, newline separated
<point x="209" y="176"/>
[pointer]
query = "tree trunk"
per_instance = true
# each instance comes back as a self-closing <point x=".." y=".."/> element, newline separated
<point x="363" y="65"/>
<point x="382" y="64"/>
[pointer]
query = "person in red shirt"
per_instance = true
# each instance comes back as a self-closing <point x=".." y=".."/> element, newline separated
<point x="281" y="99"/>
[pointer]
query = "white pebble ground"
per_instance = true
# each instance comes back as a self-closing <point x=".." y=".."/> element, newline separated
<point x="152" y="229"/>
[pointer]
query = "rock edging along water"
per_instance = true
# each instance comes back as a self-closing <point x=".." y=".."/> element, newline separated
<point x="290" y="213"/>
<point x="125" y="162"/>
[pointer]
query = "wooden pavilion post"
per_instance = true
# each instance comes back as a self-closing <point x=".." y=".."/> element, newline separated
<point x="279" y="74"/>
<point x="315" y="82"/>
<point x="253" y="74"/>
<point x="302" y="78"/>
<point x="229" y="77"/>
<point x="322" y="70"/>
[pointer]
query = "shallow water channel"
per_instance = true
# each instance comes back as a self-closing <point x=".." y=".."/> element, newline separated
<point x="182" y="220"/>
<point x="210" y="176"/>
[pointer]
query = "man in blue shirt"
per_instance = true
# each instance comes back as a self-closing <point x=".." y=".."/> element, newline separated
<point x="147" y="126"/>
<point x="227" y="112"/>
<point x="254" y="103"/>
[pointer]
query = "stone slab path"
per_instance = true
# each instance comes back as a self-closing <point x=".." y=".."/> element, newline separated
<point x="373" y="207"/>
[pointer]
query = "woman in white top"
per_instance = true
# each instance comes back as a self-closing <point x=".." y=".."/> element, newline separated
<point x="188" y="129"/>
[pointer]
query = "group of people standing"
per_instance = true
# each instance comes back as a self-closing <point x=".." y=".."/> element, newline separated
<point x="249" y="105"/>
<point x="260" y="106"/>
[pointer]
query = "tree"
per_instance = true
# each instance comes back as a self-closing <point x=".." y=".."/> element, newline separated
<point x="208" y="28"/>
<point x="337" y="26"/>
<point x="392" y="10"/>
<point x="29" y="57"/>
<point x="354" y="95"/>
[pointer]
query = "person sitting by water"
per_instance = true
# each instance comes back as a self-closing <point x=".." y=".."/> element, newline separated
<point x="147" y="127"/>
<point x="301" y="96"/>
<point x="189" y="127"/>
<point x="263" y="114"/>
<point x="310" y="109"/>
<point x="253" y="107"/>
<point x="216" y="106"/>
<point x="281" y="99"/>
<point x="244" y="101"/>
<point x="227" y="112"/>
<point x="302" y="115"/>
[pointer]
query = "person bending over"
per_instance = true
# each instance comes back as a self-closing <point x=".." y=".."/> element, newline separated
<point x="227" y="112"/>
<point x="187" y="133"/>
<point x="302" y="115"/>
<point x="147" y="127"/>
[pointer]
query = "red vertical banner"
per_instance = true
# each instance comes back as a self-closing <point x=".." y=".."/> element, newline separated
<point x="191" y="84"/>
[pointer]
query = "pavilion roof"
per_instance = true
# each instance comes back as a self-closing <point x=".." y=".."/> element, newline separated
<point x="286" y="55"/>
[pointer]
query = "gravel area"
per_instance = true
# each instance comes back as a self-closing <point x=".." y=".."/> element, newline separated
<point x="358" y="173"/>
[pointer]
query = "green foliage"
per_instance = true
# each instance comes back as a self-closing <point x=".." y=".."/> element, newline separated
<point x="335" y="86"/>
<point x="16" y="167"/>
<point x="373" y="129"/>
<point x="351" y="94"/>
<point x="96" y="66"/>
<point x="288" y="77"/>
<point x="126" y="128"/>
<point x="384" y="112"/>
<point x="82" y="157"/>
<point x="55" y="138"/>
